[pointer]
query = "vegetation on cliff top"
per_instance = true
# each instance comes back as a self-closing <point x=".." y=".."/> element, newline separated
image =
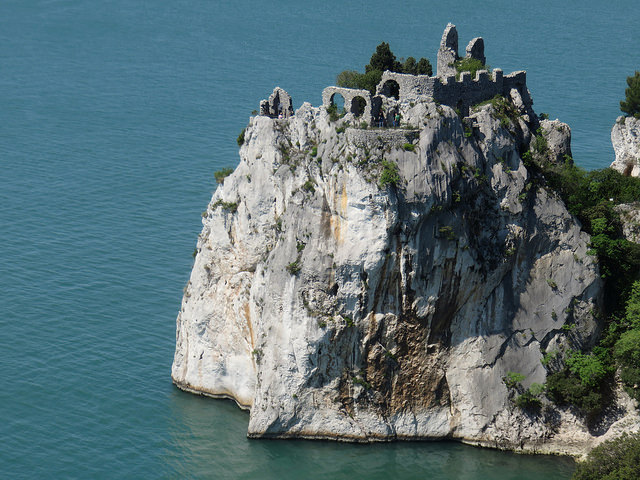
<point x="631" y="105"/>
<point x="467" y="64"/>
<point x="381" y="60"/>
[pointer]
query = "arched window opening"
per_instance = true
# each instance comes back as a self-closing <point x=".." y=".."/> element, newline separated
<point x="391" y="89"/>
<point x="358" y="106"/>
<point x="337" y="102"/>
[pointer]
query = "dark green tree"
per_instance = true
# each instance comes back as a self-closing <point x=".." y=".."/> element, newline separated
<point x="349" y="79"/>
<point x="631" y="106"/>
<point x="383" y="59"/>
<point x="424" y="67"/>
<point x="410" y="66"/>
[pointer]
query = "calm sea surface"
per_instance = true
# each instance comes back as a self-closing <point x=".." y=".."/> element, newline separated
<point x="114" y="114"/>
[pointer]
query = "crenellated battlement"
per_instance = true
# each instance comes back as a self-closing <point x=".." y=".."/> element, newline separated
<point x="396" y="91"/>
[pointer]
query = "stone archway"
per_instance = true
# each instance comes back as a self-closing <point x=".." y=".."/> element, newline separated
<point x="357" y="102"/>
<point x="358" y="106"/>
<point x="338" y="102"/>
<point x="390" y="89"/>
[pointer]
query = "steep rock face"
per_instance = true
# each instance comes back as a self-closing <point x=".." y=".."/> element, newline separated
<point x="625" y="137"/>
<point x="334" y="307"/>
<point x="558" y="137"/>
<point x="630" y="217"/>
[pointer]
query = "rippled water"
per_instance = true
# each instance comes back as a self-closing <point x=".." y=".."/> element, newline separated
<point x="114" y="115"/>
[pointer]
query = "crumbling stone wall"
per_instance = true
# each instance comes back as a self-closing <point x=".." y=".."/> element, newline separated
<point x="460" y="94"/>
<point x="475" y="49"/>
<point x="351" y="99"/>
<point x="448" y="52"/>
<point x="279" y="102"/>
<point x="412" y="87"/>
<point x="397" y="90"/>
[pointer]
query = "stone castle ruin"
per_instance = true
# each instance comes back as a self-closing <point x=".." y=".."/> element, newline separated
<point x="398" y="90"/>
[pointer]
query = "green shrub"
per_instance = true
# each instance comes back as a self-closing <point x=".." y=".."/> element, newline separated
<point x="617" y="459"/>
<point x="513" y="379"/>
<point x="220" y="175"/>
<point x="229" y="206"/>
<point x="332" y="110"/>
<point x="294" y="268"/>
<point x="309" y="186"/>
<point x="627" y="348"/>
<point x="590" y="369"/>
<point x="548" y="357"/>
<point x="240" y="139"/>
<point x="469" y="65"/>
<point x="539" y="143"/>
<point x="632" y="311"/>
<point x="566" y="388"/>
<point x="409" y="147"/>
<point x="630" y="377"/>
<point x="389" y="174"/>
<point x="530" y="399"/>
<point x="365" y="81"/>
<point x="363" y="382"/>
<point x="631" y="104"/>
<point x="447" y="232"/>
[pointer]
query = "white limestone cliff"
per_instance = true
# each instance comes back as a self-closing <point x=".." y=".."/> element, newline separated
<point x="625" y="137"/>
<point x="334" y="307"/>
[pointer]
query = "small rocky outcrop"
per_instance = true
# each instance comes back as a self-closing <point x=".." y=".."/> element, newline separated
<point x="625" y="137"/>
<point x="558" y="138"/>
<point x="630" y="218"/>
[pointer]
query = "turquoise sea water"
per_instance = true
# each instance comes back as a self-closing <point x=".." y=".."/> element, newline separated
<point x="114" y="115"/>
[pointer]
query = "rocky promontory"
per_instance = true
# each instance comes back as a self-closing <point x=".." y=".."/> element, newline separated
<point x="366" y="283"/>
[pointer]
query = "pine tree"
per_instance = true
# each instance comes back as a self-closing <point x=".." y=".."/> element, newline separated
<point x="383" y="59"/>
<point x="631" y="106"/>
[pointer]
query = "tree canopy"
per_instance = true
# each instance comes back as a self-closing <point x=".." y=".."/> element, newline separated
<point x="382" y="59"/>
<point x="631" y="105"/>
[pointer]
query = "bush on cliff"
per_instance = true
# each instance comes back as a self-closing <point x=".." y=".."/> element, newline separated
<point x="583" y="383"/>
<point x="591" y="196"/>
<point x="617" y="459"/>
<point x="469" y="65"/>
<point x="221" y="174"/>
<point x="389" y="174"/>
<point x="631" y="105"/>
<point x="381" y="60"/>
<point x="586" y="380"/>
<point x="627" y="347"/>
